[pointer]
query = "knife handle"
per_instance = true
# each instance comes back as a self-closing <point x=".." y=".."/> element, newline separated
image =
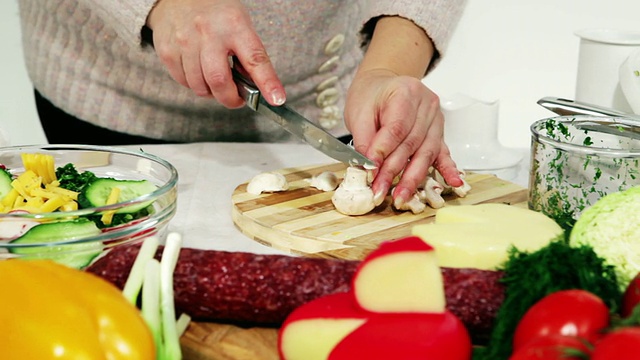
<point x="247" y="89"/>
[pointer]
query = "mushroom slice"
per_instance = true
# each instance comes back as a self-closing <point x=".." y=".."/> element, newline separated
<point x="414" y="204"/>
<point x="354" y="195"/>
<point x="325" y="181"/>
<point x="461" y="191"/>
<point x="430" y="193"/>
<point x="267" y="182"/>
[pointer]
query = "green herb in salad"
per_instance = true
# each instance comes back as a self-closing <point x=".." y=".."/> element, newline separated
<point x="73" y="180"/>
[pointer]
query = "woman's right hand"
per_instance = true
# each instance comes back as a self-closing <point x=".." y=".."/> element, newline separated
<point x="195" y="39"/>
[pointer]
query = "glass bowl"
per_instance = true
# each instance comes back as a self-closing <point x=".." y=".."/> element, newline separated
<point x="577" y="159"/>
<point x="131" y="220"/>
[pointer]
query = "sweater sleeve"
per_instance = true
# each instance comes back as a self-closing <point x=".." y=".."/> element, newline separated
<point x="438" y="18"/>
<point x="126" y="17"/>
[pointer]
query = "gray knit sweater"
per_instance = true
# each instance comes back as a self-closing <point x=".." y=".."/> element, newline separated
<point x="88" y="58"/>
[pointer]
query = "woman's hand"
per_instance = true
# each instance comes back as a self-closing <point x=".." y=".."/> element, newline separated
<point x="396" y="121"/>
<point x="196" y="38"/>
<point x="394" y="118"/>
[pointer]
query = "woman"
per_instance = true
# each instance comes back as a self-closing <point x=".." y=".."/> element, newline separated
<point x="145" y="71"/>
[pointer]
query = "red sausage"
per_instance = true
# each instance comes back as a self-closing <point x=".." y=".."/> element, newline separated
<point x="239" y="287"/>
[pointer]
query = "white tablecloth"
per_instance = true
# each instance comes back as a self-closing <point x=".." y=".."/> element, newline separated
<point x="209" y="173"/>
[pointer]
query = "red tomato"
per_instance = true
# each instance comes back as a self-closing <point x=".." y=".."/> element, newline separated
<point x="552" y="347"/>
<point x="572" y="312"/>
<point x="621" y="344"/>
<point x="631" y="296"/>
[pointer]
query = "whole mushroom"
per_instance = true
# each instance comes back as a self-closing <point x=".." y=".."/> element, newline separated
<point x="354" y="195"/>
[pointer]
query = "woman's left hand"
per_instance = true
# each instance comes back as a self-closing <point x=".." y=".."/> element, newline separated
<point x="396" y="121"/>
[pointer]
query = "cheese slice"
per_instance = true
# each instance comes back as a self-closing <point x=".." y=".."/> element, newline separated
<point x="480" y="236"/>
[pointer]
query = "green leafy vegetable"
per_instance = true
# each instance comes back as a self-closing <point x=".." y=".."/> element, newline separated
<point x="610" y="227"/>
<point x="528" y="277"/>
<point x="73" y="180"/>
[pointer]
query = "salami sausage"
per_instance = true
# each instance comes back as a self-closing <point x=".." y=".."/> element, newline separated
<point x="254" y="289"/>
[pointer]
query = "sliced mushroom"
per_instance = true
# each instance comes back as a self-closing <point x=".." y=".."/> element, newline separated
<point x="325" y="181"/>
<point x="354" y="195"/>
<point x="460" y="191"/>
<point x="414" y="204"/>
<point x="430" y="193"/>
<point x="267" y="182"/>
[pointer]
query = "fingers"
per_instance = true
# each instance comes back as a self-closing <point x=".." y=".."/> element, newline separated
<point x="403" y="138"/>
<point x="433" y="152"/>
<point x="254" y="59"/>
<point x="195" y="44"/>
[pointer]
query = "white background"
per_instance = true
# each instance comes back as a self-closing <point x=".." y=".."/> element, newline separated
<point x="511" y="51"/>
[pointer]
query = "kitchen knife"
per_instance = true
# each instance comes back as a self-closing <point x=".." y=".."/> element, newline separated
<point x="563" y="106"/>
<point x="625" y="124"/>
<point x="298" y="125"/>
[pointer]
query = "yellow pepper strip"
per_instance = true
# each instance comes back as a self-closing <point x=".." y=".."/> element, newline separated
<point x="52" y="311"/>
<point x="114" y="195"/>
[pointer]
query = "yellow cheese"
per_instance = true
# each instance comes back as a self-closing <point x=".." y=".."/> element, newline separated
<point x="41" y="164"/>
<point x="9" y="199"/>
<point x="29" y="194"/>
<point x="480" y="236"/>
<point x="114" y="195"/>
<point x="26" y="182"/>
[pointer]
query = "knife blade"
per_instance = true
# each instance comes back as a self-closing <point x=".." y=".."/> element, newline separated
<point x="624" y="124"/>
<point x="299" y="126"/>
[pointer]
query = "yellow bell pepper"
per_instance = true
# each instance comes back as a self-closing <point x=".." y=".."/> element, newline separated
<point x="50" y="311"/>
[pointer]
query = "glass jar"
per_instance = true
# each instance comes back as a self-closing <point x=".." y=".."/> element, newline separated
<point x="577" y="159"/>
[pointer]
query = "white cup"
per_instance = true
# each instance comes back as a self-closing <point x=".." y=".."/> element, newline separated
<point x="600" y="55"/>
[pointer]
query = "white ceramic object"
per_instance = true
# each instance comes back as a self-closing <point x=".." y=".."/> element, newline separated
<point x="471" y="132"/>
<point x="601" y="53"/>
<point x="630" y="80"/>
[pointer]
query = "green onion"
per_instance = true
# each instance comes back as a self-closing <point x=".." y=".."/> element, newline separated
<point x="155" y="278"/>
<point x="183" y="323"/>
<point x="167" y="266"/>
<point x="151" y="302"/>
<point x="134" y="281"/>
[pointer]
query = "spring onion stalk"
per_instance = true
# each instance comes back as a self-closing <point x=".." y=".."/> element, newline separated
<point x="183" y="322"/>
<point x="168" y="263"/>
<point x="134" y="282"/>
<point x="150" y="306"/>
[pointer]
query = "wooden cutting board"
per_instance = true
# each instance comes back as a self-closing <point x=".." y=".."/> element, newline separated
<point x="302" y="220"/>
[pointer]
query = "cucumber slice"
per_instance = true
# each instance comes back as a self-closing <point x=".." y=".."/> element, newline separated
<point x="74" y="255"/>
<point x="96" y="193"/>
<point x="5" y="183"/>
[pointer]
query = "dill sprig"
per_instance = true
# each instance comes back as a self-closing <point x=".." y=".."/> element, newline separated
<point x="528" y="277"/>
